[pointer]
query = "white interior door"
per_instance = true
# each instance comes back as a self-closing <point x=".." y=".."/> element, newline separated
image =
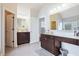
<point x="9" y="30"/>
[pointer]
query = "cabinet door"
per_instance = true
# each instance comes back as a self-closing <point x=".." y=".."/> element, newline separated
<point x="27" y="37"/>
<point x="77" y="42"/>
<point x="20" y="38"/>
<point x="57" y="44"/>
<point x="44" y="43"/>
<point x="23" y="37"/>
<point x="51" y="44"/>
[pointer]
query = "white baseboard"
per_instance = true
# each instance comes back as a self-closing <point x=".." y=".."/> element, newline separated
<point x="34" y="42"/>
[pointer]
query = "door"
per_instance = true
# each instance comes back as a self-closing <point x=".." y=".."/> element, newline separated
<point x="9" y="32"/>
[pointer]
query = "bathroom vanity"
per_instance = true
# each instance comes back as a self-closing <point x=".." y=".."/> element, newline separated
<point x="23" y="37"/>
<point x="52" y="43"/>
<point x="66" y="21"/>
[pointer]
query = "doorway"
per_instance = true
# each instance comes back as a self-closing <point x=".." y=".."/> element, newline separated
<point x="41" y="25"/>
<point x="9" y="29"/>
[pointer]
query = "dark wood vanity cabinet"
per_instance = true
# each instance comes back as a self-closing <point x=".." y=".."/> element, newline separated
<point x="23" y="37"/>
<point x="49" y="43"/>
<point x="53" y="43"/>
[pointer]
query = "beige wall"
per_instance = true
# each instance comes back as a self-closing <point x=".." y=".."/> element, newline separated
<point x="12" y="8"/>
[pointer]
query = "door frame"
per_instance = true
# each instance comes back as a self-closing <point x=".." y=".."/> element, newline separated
<point x="3" y="30"/>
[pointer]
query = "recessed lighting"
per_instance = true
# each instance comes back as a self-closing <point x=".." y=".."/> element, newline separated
<point x="54" y="9"/>
<point x="64" y="5"/>
<point x="59" y="8"/>
<point x="51" y="11"/>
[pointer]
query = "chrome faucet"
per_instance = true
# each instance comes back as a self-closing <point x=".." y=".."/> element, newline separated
<point x="76" y="33"/>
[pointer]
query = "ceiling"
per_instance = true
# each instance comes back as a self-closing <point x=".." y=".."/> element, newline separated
<point x="34" y="7"/>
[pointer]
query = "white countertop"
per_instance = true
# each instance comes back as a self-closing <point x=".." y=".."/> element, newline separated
<point x="64" y="34"/>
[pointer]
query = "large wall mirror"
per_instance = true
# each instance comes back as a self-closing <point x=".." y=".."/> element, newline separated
<point x="22" y="25"/>
<point x="57" y="22"/>
<point x="67" y="20"/>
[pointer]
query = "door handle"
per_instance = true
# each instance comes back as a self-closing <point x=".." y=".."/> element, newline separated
<point x="6" y="31"/>
<point x="13" y="29"/>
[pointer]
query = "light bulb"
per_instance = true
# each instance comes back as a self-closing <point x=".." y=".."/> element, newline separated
<point x="64" y="5"/>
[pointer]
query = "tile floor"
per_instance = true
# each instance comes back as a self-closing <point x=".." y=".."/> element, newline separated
<point x="33" y="49"/>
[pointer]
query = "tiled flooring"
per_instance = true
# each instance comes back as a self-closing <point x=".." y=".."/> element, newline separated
<point x="33" y="49"/>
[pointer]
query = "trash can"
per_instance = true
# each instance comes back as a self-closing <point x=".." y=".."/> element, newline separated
<point x="64" y="52"/>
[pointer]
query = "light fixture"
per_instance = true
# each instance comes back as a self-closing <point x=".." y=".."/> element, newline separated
<point x="55" y="10"/>
<point x="59" y="8"/>
<point x="64" y="5"/>
<point x="51" y="11"/>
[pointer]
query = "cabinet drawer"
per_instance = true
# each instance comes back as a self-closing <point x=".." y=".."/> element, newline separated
<point x="44" y="43"/>
<point x="70" y="40"/>
<point x="77" y="41"/>
<point x="67" y="40"/>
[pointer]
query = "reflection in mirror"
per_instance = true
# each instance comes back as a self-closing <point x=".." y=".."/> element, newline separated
<point x="41" y="24"/>
<point x="56" y="21"/>
<point x="22" y="25"/>
<point x="71" y="23"/>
